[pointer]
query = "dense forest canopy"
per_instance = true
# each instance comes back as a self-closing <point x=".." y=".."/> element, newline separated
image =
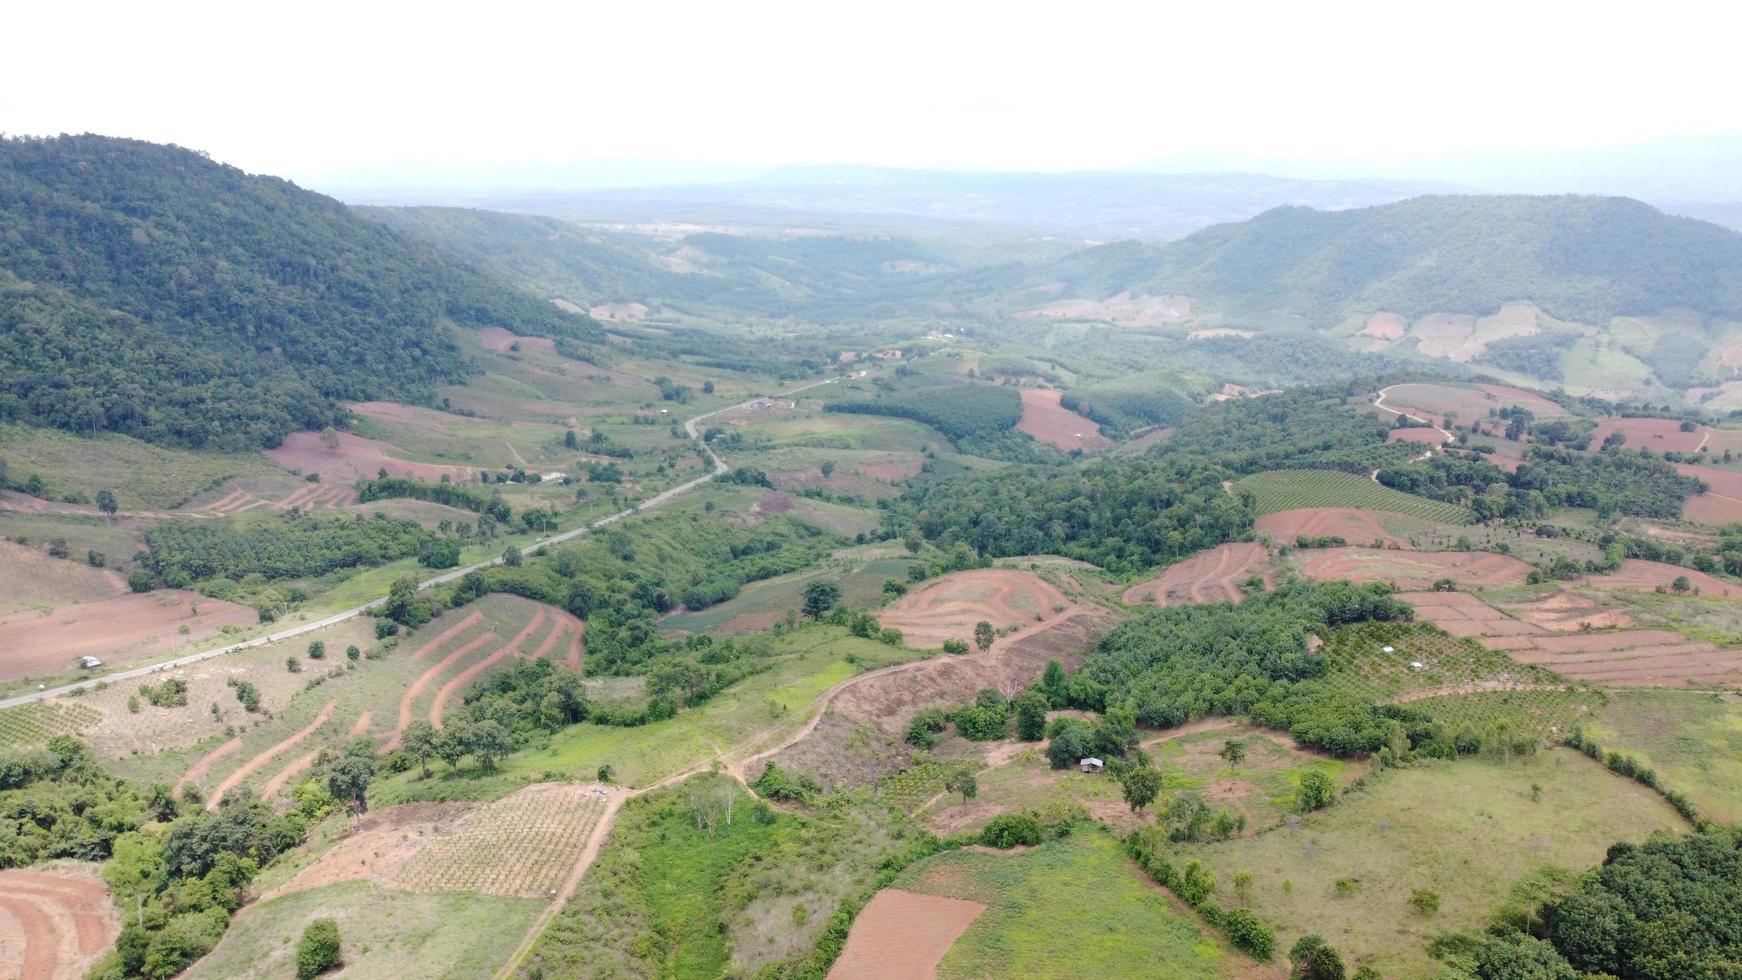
<point x="1579" y="258"/>
<point x="147" y="290"/>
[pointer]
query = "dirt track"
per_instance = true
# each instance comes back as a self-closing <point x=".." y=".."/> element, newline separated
<point x="260" y="761"/>
<point x="438" y="706"/>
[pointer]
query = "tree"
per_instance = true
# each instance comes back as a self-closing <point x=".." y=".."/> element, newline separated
<point x="348" y="778"/>
<point x="106" y="502"/>
<point x="512" y="557"/>
<point x="828" y="468"/>
<point x="1317" y="791"/>
<point x="569" y="440"/>
<point x="1141" y="785"/>
<point x="819" y="598"/>
<point x="317" y="650"/>
<point x="962" y="781"/>
<point x="352" y="653"/>
<point x="912" y="541"/>
<point x="1234" y="753"/>
<point x="318" y="950"/>
<point x="489" y="742"/>
<point x="1424" y="901"/>
<point x="419" y="742"/>
<point x="1311" y="959"/>
<point x="955" y="646"/>
<point x="450" y="747"/>
<point x="1249" y="935"/>
<point x="983" y="635"/>
<point x="1030" y="716"/>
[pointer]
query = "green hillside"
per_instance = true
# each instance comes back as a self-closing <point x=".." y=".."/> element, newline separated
<point x="1584" y="259"/>
<point x="150" y="291"/>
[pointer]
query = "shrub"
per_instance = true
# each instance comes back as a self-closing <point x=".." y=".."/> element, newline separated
<point x="318" y="951"/>
<point x="1424" y="902"/>
<point x="1011" y="830"/>
<point x="1249" y="935"/>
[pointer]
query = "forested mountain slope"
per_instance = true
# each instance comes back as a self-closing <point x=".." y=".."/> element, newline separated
<point x="148" y="290"/>
<point x="1584" y="259"/>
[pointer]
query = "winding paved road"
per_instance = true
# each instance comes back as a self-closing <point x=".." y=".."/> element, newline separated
<point x="720" y="467"/>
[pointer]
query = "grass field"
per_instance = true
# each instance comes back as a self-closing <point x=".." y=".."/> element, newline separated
<point x="860" y="572"/>
<point x="1280" y="490"/>
<point x="669" y="898"/>
<point x="383" y="933"/>
<point x="780" y="699"/>
<point x="1468" y="830"/>
<point x="1693" y="740"/>
<point x="1075" y="907"/>
<point x="142" y="476"/>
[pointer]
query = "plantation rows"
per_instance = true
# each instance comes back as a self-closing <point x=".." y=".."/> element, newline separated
<point x="526" y="844"/>
<point x="1279" y="490"/>
<point x="42" y="720"/>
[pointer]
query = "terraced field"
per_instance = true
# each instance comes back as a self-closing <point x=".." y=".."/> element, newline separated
<point x="1280" y="490"/>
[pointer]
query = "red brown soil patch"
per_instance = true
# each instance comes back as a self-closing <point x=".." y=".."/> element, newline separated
<point x="1385" y="326"/>
<point x="198" y="770"/>
<point x="775" y="503"/>
<point x="1633" y="658"/>
<point x="1412" y="569"/>
<point x="53" y="924"/>
<point x="121" y="630"/>
<point x="1213" y="575"/>
<point x="1636" y="574"/>
<point x="444" y="636"/>
<point x="948" y="607"/>
<point x="1657" y="435"/>
<point x="1433" y="401"/>
<point x="1050" y="422"/>
<point x="903" y="934"/>
<point x="1350" y="524"/>
<point x="353" y="458"/>
<point x="1421" y="434"/>
<point x="1507" y="464"/>
<point x="894" y="471"/>
<point x="456" y="683"/>
<point x="1721" y="503"/>
<point x="377" y="845"/>
<point x="260" y="761"/>
<point x="498" y="339"/>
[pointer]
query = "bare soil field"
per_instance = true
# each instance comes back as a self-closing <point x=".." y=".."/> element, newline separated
<point x="1385" y="326"/>
<point x="352" y="457"/>
<point x="1411" y="569"/>
<point x="1348" y="523"/>
<point x="120" y="630"/>
<point x="617" y="311"/>
<point x="54" y="922"/>
<point x="377" y="844"/>
<point x="903" y="934"/>
<point x="948" y="607"/>
<point x="498" y="339"/>
<point x="1122" y="309"/>
<point x="30" y="578"/>
<point x="1048" y="421"/>
<point x="1469" y="403"/>
<point x="1648" y="575"/>
<point x="1421" y="434"/>
<point x="1657" y="435"/>
<point x="1213" y="575"/>
<point x="1213" y="332"/>
<point x="1721" y="503"/>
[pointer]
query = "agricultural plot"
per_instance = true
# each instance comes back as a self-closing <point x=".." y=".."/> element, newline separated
<point x="1353" y="526"/>
<point x="524" y="844"/>
<point x="143" y="477"/>
<point x="1656" y="435"/>
<point x="1019" y="934"/>
<point x="949" y="607"/>
<point x="1721" y="503"/>
<point x="55" y="921"/>
<point x="1411" y="569"/>
<point x="39" y="721"/>
<point x="1048" y="421"/>
<point x="1693" y="739"/>
<point x="1280" y="490"/>
<point x="120" y="630"/>
<point x="387" y="934"/>
<point x="1479" y="834"/>
<point x="859" y="572"/>
<point x="1469" y="402"/>
<point x="1218" y="574"/>
<point x="31" y="579"/>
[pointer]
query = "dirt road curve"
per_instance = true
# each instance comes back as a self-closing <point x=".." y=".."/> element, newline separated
<point x="720" y="467"/>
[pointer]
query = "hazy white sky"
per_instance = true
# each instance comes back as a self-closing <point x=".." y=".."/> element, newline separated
<point x="309" y="88"/>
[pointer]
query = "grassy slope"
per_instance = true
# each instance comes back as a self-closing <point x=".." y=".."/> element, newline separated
<point x="1692" y="739"/>
<point x="143" y="476"/>
<point x="1069" y="908"/>
<point x="1467" y="830"/>
<point x="383" y="934"/>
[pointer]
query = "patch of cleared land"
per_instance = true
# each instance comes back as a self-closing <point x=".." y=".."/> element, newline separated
<point x="120" y="630"/>
<point x="1050" y="422"/>
<point x="903" y="934"/>
<point x="1411" y="569"/>
<point x="1468" y="830"/>
<point x="1120" y="309"/>
<point x="55" y="921"/>
<point x="1469" y="402"/>
<point x="1354" y="526"/>
<point x="1692" y="738"/>
<point x="344" y="458"/>
<point x="30" y="579"/>
<point x="948" y="607"/>
<point x="1657" y="435"/>
<point x="1212" y="575"/>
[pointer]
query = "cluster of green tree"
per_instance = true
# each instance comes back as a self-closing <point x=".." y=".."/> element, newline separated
<point x="1301" y="428"/>
<point x="1538" y="355"/>
<point x="1149" y="847"/>
<point x="989" y="717"/>
<point x="294" y="546"/>
<point x="1669" y="908"/>
<point x="1179" y="664"/>
<point x="279" y="302"/>
<point x="1613" y="483"/>
<point x="1585" y="259"/>
<point x="621" y="580"/>
<point x="1124" y="515"/>
<point x="961" y="411"/>
<point x="1136" y="401"/>
<point x="475" y="499"/>
<point x="172" y="693"/>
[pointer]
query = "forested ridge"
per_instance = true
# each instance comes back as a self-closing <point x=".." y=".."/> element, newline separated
<point x="1578" y="258"/>
<point x="150" y="291"/>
